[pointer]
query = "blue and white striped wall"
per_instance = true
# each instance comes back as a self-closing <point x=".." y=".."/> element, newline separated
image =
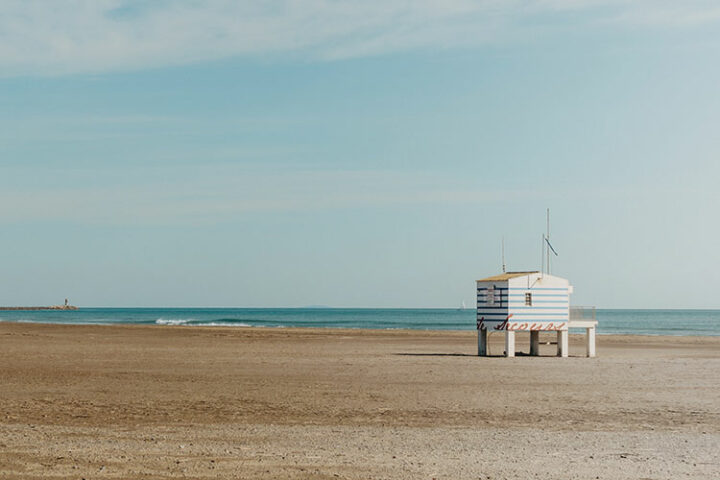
<point x="549" y="310"/>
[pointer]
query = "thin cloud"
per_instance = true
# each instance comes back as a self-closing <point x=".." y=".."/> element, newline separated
<point x="213" y="198"/>
<point x="79" y="36"/>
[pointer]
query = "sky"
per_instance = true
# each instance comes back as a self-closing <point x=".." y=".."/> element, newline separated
<point x="357" y="154"/>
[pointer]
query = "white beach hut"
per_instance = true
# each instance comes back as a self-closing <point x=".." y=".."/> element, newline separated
<point x="527" y="302"/>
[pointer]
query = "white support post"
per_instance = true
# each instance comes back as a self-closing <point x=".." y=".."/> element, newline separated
<point x="559" y="343"/>
<point x="509" y="343"/>
<point x="590" y="339"/>
<point x="482" y="342"/>
<point x="534" y="342"/>
<point x="562" y="343"/>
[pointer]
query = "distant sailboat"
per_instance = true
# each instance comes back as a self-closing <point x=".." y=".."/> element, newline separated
<point x="462" y="307"/>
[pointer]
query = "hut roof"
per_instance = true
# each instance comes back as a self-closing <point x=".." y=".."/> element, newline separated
<point x="506" y="276"/>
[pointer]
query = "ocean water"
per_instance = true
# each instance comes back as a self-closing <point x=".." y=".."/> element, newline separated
<point x="644" y="322"/>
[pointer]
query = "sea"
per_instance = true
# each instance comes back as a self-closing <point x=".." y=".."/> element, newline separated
<point x="610" y="322"/>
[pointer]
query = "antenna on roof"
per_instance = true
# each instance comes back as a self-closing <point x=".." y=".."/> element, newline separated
<point x="547" y="239"/>
<point x="503" y="254"/>
<point x="542" y="256"/>
<point x="547" y="246"/>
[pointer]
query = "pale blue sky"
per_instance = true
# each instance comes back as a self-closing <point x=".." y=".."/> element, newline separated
<point x="367" y="154"/>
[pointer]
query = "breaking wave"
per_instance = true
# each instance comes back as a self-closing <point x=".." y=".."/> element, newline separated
<point x="173" y="321"/>
<point x="203" y="323"/>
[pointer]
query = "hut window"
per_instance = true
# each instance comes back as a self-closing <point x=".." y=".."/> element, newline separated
<point x="528" y="299"/>
<point x="490" y="296"/>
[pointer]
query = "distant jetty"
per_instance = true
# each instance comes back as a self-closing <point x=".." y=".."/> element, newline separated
<point x="52" y="307"/>
<point x="65" y="306"/>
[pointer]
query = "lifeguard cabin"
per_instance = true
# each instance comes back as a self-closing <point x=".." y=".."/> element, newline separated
<point x="527" y="302"/>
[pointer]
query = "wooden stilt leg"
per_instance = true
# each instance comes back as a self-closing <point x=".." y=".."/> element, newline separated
<point x="535" y="343"/>
<point x="590" y="339"/>
<point x="482" y="342"/>
<point x="509" y="343"/>
<point x="562" y="343"/>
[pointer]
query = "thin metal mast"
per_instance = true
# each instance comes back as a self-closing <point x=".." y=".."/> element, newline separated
<point x="503" y="254"/>
<point x="548" y="240"/>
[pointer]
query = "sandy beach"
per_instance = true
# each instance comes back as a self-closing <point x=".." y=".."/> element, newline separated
<point x="157" y="402"/>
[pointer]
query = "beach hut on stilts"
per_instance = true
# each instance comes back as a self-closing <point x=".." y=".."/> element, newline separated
<point x="534" y="302"/>
<point x="523" y="302"/>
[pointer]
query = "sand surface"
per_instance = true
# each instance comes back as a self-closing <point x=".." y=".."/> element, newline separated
<point x="157" y="402"/>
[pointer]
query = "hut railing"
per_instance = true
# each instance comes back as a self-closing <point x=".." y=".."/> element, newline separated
<point x="582" y="313"/>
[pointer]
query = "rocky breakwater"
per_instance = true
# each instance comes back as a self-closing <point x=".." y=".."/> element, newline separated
<point x="52" y="307"/>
